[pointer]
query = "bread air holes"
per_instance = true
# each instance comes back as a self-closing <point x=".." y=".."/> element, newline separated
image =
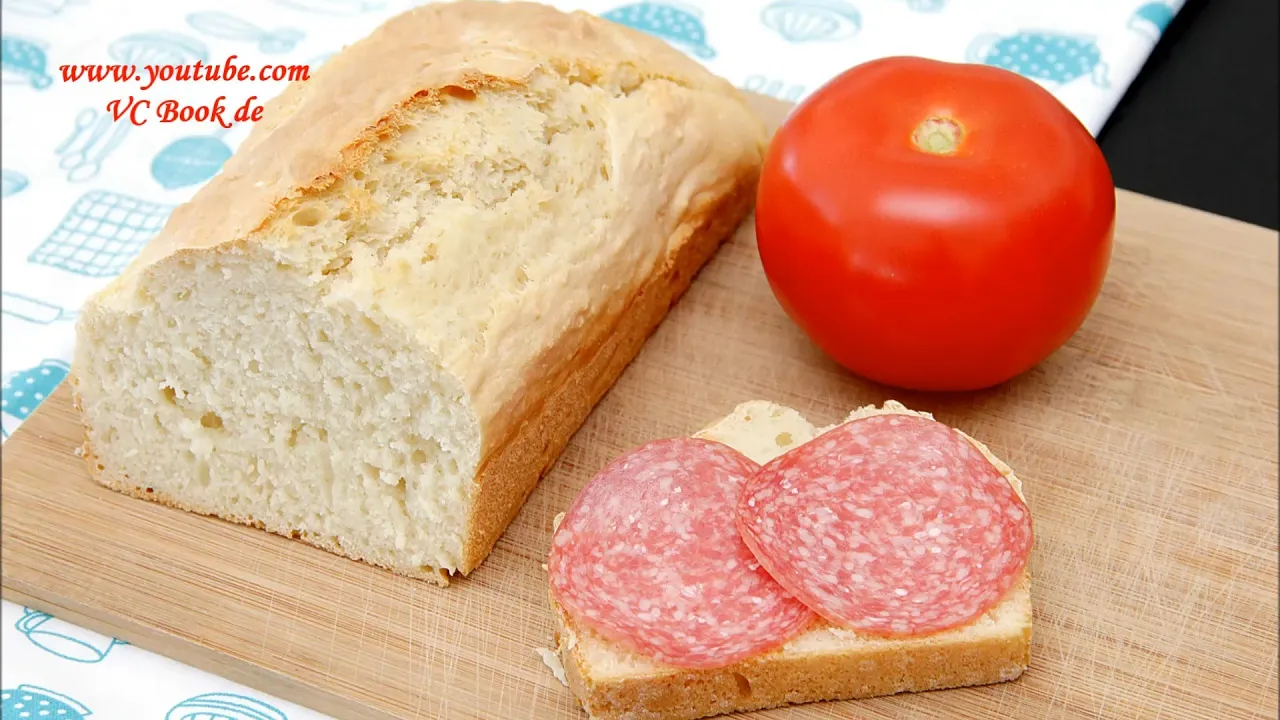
<point x="744" y="685"/>
<point x="375" y="474"/>
<point x="199" y="355"/>
<point x="336" y="264"/>
<point x="308" y="216"/>
<point x="211" y="421"/>
<point x="783" y="439"/>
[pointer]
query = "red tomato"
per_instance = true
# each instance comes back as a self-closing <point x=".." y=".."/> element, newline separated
<point x="935" y="226"/>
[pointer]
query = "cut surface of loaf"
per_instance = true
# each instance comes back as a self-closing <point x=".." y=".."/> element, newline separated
<point x="823" y="663"/>
<point x="381" y="322"/>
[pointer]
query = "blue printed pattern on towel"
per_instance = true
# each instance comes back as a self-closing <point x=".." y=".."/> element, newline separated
<point x="189" y="161"/>
<point x="679" y="25"/>
<point x="90" y="143"/>
<point x="24" y="62"/>
<point x="101" y="234"/>
<point x="160" y="47"/>
<point x="229" y="27"/>
<point x="14" y="182"/>
<point x="224" y="706"/>
<point x="1152" y="19"/>
<point x="28" y="702"/>
<point x="334" y="7"/>
<point x="802" y="21"/>
<point x="33" y="310"/>
<point x="39" y="8"/>
<point x="24" y="391"/>
<point x="64" y="639"/>
<point x="926" y="5"/>
<point x="1051" y="57"/>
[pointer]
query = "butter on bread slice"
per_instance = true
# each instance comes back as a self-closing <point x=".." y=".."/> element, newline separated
<point x="824" y="662"/>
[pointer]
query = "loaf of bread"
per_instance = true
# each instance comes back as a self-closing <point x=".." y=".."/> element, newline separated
<point x="824" y="662"/>
<point x="381" y="322"/>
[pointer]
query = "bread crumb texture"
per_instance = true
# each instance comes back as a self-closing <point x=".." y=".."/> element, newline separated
<point x="552" y="661"/>
<point x="403" y="260"/>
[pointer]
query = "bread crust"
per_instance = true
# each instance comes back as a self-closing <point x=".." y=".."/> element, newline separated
<point x="510" y="473"/>
<point x="778" y="678"/>
<point x="329" y="125"/>
<point x="789" y="675"/>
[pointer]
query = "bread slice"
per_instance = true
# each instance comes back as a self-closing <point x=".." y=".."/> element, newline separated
<point x="379" y="325"/>
<point x="823" y="663"/>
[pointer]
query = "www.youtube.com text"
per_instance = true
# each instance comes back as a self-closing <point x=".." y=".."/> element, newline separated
<point x="139" y="110"/>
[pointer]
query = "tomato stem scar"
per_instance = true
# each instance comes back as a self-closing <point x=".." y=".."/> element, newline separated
<point x="938" y="136"/>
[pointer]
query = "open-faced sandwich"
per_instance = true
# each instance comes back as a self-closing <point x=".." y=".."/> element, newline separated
<point x="765" y="562"/>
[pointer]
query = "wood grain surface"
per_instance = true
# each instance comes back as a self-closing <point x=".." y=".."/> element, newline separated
<point x="1148" y="447"/>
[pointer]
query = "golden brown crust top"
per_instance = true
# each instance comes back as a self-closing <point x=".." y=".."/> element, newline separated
<point x="318" y="130"/>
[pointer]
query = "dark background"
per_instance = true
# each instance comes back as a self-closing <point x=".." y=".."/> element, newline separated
<point x="1199" y="125"/>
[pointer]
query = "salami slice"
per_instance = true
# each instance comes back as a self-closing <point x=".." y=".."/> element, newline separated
<point x="649" y="556"/>
<point x="892" y="525"/>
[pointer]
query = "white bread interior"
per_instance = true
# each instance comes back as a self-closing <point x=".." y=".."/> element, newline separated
<point x="823" y="663"/>
<point x="382" y="321"/>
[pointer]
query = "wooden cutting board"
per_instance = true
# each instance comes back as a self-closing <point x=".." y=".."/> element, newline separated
<point x="1148" y="447"/>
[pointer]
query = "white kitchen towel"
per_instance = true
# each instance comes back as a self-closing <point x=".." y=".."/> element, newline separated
<point x="82" y="193"/>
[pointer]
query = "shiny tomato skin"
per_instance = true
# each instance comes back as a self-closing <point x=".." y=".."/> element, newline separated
<point x="927" y="271"/>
